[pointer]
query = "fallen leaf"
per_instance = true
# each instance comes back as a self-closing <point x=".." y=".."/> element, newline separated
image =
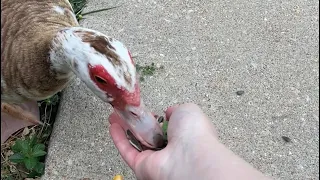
<point x="25" y="131"/>
<point x="8" y="153"/>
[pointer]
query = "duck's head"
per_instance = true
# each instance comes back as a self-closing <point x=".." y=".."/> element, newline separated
<point x="105" y="65"/>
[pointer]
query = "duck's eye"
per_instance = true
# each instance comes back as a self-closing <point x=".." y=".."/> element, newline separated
<point x="100" y="80"/>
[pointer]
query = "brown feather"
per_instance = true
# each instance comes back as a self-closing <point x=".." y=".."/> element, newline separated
<point x="27" y="28"/>
<point x="101" y="45"/>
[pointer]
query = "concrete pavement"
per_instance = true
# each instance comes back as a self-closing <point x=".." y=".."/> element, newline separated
<point x="209" y="50"/>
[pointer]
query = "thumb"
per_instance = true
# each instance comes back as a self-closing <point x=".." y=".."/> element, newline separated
<point x="187" y="119"/>
<point x="169" y="111"/>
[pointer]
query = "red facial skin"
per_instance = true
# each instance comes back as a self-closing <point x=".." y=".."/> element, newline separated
<point x="121" y="97"/>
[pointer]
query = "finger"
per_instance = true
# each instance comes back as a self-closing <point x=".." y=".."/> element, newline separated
<point x="182" y="107"/>
<point x="190" y="116"/>
<point x="153" y="114"/>
<point x="126" y="150"/>
<point x="114" y="117"/>
<point x="169" y="111"/>
<point x="183" y="116"/>
<point x="184" y="110"/>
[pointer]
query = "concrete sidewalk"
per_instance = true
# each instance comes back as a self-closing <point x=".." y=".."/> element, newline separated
<point x="209" y="50"/>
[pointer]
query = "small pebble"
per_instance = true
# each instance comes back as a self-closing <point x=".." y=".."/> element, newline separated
<point x="239" y="93"/>
<point x="286" y="139"/>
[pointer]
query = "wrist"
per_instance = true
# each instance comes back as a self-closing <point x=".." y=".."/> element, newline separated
<point x="210" y="159"/>
<point x="218" y="162"/>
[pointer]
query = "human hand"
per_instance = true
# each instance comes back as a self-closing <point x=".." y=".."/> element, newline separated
<point x="189" y="132"/>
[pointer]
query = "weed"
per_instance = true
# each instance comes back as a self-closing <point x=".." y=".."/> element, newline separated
<point x="28" y="152"/>
<point x="165" y="128"/>
<point x="52" y="100"/>
<point x="147" y="70"/>
<point x="79" y="5"/>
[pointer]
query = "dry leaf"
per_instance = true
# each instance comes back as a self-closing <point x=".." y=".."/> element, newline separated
<point x="8" y="153"/>
<point x="25" y="131"/>
<point x="13" y="169"/>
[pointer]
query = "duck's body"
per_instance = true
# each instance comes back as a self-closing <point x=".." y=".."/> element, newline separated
<point x="43" y="49"/>
<point x="26" y="69"/>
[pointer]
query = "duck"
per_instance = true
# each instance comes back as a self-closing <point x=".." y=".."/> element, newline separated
<point x="43" y="49"/>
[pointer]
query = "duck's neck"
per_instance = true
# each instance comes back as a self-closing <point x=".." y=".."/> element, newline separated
<point x="67" y="54"/>
<point x="61" y="64"/>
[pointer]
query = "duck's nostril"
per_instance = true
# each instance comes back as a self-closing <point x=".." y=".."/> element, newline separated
<point x="158" y="140"/>
<point x="134" y="114"/>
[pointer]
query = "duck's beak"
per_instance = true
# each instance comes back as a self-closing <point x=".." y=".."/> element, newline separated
<point x="143" y="125"/>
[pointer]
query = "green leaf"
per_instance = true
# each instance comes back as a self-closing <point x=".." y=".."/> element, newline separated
<point x="6" y="177"/>
<point x="30" y="163"/>
<point x="38" y="153"/>
<point x="141" y="78"/>
<point x="38" y="147"/>
<point x="16" y="158"/>
<point x="21" y="146"/>
<point x="33" y="175"/>
<point x="78" y="5"/>
<point x="39" y="168"/>
<point x="165" y="128"/>
<point x="138" y="67"/>
<point x="16" y="147"/>
<point x="33" y="141"/>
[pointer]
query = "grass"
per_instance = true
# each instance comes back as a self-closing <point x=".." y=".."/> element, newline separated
<point x="23" y="154"/>
<point x="147" y="70"/>
<point x="79" y="5"/>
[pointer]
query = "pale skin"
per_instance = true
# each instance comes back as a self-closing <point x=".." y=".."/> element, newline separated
<point x="193" y="151"/>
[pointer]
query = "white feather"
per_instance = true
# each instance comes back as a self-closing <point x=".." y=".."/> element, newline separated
<point x="58" y="9"/>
